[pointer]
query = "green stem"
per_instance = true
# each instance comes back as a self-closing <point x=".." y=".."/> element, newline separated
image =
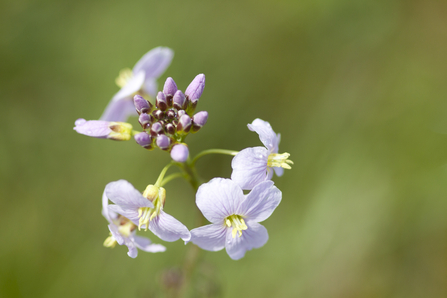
<point x="171" y="177"/>
<point x="212" y="151"/>
<point x="162" y="174"/>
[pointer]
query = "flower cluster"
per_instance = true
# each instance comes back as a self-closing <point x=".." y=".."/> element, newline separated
<point x="166" y="120"/>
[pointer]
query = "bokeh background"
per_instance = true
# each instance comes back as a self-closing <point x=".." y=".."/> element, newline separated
<point x="356" y="88"/>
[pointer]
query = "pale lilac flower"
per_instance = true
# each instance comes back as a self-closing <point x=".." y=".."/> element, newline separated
<point x="145" y="211"/>
<point x="251" y="166"/>
<point x="234" y="216"/>
<point x="123" y="231"/>
<point x="142" y="79"/>
<point x="119" y="131"/>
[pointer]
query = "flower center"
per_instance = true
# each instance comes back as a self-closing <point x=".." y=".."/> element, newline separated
<point x="146" y="214"/>
<point x="238" y="224"/>
<point x="124" y="77"/>
<point x="279" y="160"/>
<point x="125" y="228"/>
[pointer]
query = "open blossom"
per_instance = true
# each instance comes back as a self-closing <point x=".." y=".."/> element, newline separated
<point x="122" y="231"/>
<point x="145" y="211"/>
<point x="141" y="79"/>
<point x="234" y="216"/>
<point x="251" y="166"/>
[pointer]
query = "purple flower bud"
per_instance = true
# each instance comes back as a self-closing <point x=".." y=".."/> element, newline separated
<point x="158" y="114"/>
<point x="163" y="142"/>
<point x="180" y="114"/>
<point x="184" y="123"/>
<point x="170" y="87"/>
<point x="170" y="128"/>
<point x="171" y="114"/>
<point x="144" y="140"/>
<point x="180" y="153"/>
<point x="161" y="101"/>
<point x="156" y="129"/>
<point x="141" y="104"/>
<point x="145" y="120"/>
<point x="179" y="100"/>
<point x="199" y="120"/>
<point x="195" y="89"/>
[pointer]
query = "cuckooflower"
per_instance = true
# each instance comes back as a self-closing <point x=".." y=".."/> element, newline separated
<point x="234" y="216"/>
<point x="145" y="211"/>
<point x="251" y="166"/>
<point x="119" y="131"/>
<point x="141" y="79"/>
<point x="122" y="231"/>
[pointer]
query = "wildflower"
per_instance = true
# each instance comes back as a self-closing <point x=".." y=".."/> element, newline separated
<point x="119" y="131"/>
<point x="180" y="152"/>
<point x="234" y="216"/>
<point x="122" y="231"/>
<point x="142" y="79"/>
<point x="145" y="211"/>
<point x="251" y="166"/>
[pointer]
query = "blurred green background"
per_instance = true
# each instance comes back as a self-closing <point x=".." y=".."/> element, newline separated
<point x="356" y="88"/>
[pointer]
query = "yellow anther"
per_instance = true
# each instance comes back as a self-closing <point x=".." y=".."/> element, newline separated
<point x="279" y="160"/>
<point x="126" y="228"/>
<point x="238" y="224"/>
<point x="124" y="77"/>
<point x="110" y="241"/>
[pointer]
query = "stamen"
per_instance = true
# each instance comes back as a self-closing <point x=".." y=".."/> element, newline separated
<point x="124" y="77"/>
<point x="279" y="160"/>
<point x="238" y="224"/>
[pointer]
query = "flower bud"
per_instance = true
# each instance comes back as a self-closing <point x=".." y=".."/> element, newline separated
<point x="180" y="152"/>
<point x="184" y="123"/>
<point x="180" y="114"/>
<point x="141" y="104"/>
<point x="156" y="129"/>
<point x="170" y="128"/>
<point x="199" y="120"/>
<point x="170" y="87"/>
<point x="145" y="120"/>
<point x="158" y="114"/>
<point x="179" y="100"/>
<point x="170" y="114"/>
<point x="144" y="140"/>
<point x="151" y="192"/>
<point x="163" y="142"/>
<point x="161" y="101"/>
<point x="195" y="89"/>
<point x="119" y="131"/>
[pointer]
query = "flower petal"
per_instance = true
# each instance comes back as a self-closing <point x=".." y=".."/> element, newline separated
<point x="133" y="251"/>
<point x="260" y="203"/>
<point x="150" y="87"/>
<point x="250" y="167"/>
<point x="121" y="106"/>
<point x="116" y="234"/>
<point x="131" y="214"/>
<point x="211" y="237"/>
<point x="168" y="228"/>
<point x="126" y="196"/>
<point x="218" y="199"/>
<point x="279" y="171"/>
<point x="119" y="110"/>
<point x="266" y="134"/>
<point x="145" y="244"/>
<point x="93" y="128"/>
<point x="154" y="62"/>
<point x="254" y="236"/>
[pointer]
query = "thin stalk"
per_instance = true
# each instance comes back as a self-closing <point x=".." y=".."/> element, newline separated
<point x="212" y="151"/>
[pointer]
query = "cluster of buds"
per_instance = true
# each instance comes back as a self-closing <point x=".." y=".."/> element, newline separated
<point x="167" y="123"/>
